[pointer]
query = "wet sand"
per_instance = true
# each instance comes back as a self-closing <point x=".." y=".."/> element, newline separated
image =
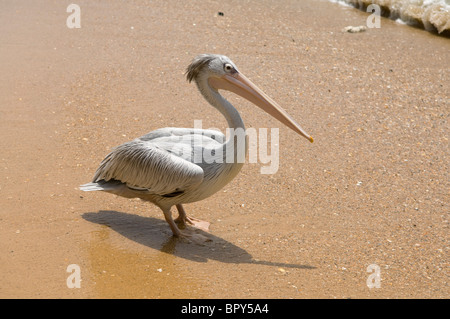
<point x="372" y="189"/>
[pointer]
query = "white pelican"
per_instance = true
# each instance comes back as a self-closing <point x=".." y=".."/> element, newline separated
<point x="159" y="167"/>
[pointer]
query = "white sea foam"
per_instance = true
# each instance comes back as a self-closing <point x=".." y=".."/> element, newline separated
<point x="431" y="14"/>
<point x="342" y="2"/>
<point x="400" y="21"/>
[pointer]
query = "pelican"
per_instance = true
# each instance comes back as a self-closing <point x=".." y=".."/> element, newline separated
<point x="162" y="167"/>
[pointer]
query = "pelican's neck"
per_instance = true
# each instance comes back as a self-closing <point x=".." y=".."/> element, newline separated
<point x="214" y="98"/>
<point x="237" y="141"/>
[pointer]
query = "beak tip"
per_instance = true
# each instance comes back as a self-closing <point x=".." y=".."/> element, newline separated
<point x="311" y="139"/>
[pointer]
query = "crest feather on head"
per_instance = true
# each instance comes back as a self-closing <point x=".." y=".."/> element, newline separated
<point x="197" y="65"/>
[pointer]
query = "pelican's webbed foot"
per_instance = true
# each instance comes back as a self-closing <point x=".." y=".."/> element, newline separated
<point x="183" y="220"/>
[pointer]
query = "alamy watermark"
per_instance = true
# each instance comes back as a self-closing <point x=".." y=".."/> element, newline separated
<point x="374" y="20"/>
<point x="211" y="146"/>
<point x="74" y="279"/>
<point x="74" y="19"/>
<point x="374" y="279"/>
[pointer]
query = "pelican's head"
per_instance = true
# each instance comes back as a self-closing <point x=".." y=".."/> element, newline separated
<point x="222" y="74"/>
<point x="209" y="65"/>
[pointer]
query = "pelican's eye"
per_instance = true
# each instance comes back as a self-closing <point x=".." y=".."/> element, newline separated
<point x="228" y="67"/>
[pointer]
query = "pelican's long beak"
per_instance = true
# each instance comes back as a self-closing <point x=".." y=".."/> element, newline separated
<point x="239" y="84"/>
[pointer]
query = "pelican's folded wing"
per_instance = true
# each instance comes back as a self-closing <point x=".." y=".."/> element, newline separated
<point x="144" y="165"/>
<point x="214" y="135"/>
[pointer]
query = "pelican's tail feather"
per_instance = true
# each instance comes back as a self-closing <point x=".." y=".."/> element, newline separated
<point x="111" y="186"/>
<point x="89" y="187"/>
<point x="102" y="185"/>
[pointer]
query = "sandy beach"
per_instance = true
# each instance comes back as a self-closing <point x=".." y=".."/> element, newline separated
<point x="372" y="191"/>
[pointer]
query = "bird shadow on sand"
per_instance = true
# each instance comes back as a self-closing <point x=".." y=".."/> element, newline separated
<point x="155" y="233"/>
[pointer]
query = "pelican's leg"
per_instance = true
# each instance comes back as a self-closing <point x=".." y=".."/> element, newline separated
<point x="182" y="219"/>
<point x="168" y="216"/>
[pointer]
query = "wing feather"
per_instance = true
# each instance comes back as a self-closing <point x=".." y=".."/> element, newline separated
<point x="214" y="135"/>
<point x="142" y="164"/>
